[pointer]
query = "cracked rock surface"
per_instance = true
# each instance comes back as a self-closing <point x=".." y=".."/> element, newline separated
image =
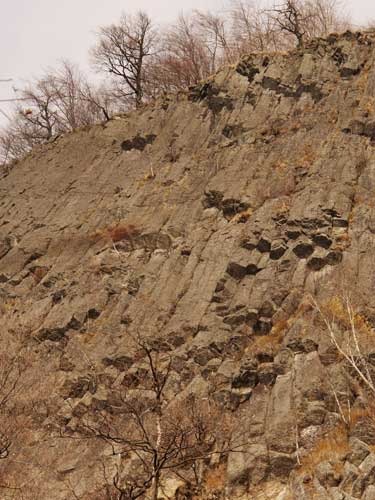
<point x="211" y="222"/>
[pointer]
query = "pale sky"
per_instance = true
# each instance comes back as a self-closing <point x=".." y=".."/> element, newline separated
<point x="35" y="34"/>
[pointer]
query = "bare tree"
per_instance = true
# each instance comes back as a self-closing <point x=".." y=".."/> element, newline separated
<point x="188" y="54"/>
<point x="292" y="17"/>
<point x="101" y="101"/>
<point x="9" y="380"/>
<point x="350" y="339"/>
<point x="122" y="51"/>
<point x="153" y="435"/>
<point x="60" y="101"/>
<point x="304" y="19"/>
<point x="12" y="391"/>
<point x="213" y="30"/>
<point x="253" y="29"/>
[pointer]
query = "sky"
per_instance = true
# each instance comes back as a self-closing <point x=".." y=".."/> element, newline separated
<point x="36" y="34"/>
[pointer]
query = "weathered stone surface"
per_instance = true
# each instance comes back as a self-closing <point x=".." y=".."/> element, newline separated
<point x="327" y="475"/>
<point x="264" y="206"/>
<point x="358" y="451"/>
<point x="280" y="431"/>
<point x="364" y="430"/>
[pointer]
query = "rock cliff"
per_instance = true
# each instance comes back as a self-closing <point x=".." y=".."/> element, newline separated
<point x="234" y="225"/>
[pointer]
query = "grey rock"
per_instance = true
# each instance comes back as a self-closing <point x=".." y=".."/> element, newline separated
<point x="358" y="451"/>
<point x="327" y="475"/>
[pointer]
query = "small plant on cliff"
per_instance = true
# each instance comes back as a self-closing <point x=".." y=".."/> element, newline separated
<point x="352" y="337"/>
<point x="349" y="333"/>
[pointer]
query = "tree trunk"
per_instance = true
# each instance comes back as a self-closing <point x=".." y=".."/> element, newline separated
<point x="155" y="487"/>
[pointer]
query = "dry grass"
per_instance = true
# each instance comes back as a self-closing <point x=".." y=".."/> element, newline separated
<point x="283" y="207"/>
<point x="333" y="447"/>
<point x="354" y="415"/>
<point x="116" y="233"/>
<point x="308" y="156"/>
<point x="336" y="310"/>
<point x="280" y="165"/>
<point x="243" y="216"/>
<point x="215" y="479"/>
<point x="269" y="344"/>
<point x="343" y="241"/>
<point x="39" y="273"/>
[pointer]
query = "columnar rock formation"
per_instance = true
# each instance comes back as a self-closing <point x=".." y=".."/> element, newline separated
<point x="216" y="223"/>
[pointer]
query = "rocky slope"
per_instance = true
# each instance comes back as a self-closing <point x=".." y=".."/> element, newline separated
<point x="210" y="222"/>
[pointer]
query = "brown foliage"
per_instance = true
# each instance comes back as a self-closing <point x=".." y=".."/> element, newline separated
<point x="118" y="232"/>
<point x="333" y="447"/>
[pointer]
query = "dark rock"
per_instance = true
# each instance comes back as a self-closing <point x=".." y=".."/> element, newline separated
<point x="316" y="263"/>
<point x="247" y="377"/>
<point x="231" y="400"/>
<point x="349" y="72"/>
<point x="247" y="69"/>
<point x="339" y="56"/>
<point x="57" y="334"/>
<point x="80" y="410"/>
<point x="58" y="296"/>
<point x="5" y="246"/>
<point x="303" y="250"/>
<point x="297" y="344"/>
<point x="293" y="234"/>
<point x="230" y="131"/>
<point x="138" y="142"/>
<point x="287" y="91"/>
<point x="338" y="222"/>
<point x="213" y="199"/>
<point x="232" y="206"/>
<point x="277" y="250"/>
<point x="203" y="91"/>
<point x="264" y="245"/>
<point x="334" y="258"/>
<point x="267" y="310"/>
<point x="217" y="104"/>
<point x="281" y="464"/>
<point x="265" y="357"/>
<point x="77" y="388"/>
<point x="263" y="326"/>
<point x="249" y="243"/>
<point x="266" y="374"/>
<point x="238" y="272"/>
<point x="203" y="355"/>
<point x="93" y="313"/>
<point x="322" y="240"/>
<point x="122" y="363"/>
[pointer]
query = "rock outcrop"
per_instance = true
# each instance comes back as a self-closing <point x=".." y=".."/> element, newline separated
<point x="217" y="223"/>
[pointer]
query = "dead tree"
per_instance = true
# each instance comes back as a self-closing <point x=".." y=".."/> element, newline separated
<point x="305" y="19"/>
<point x="11" y="369"/>
<point x="59" y="101"/>
<point x="252" y="28"/>
<point x="122" y="52"/>
<point x="152" y="433"/>
<point x="291" y="17"/>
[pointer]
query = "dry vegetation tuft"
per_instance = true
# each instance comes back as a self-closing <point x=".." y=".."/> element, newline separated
<point x="333" y="447"/>
<point x="116" y="233"/>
